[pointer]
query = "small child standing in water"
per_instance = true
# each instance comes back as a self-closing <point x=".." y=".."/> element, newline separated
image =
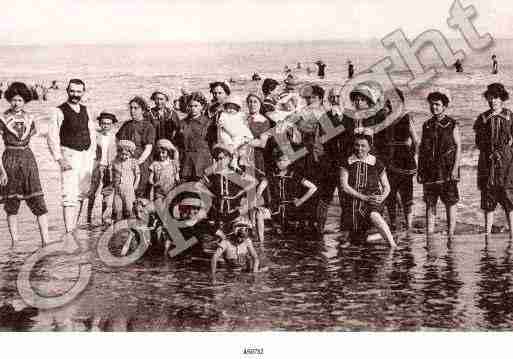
<point x="164" y="173"/>
<point x="439" y="161"/>
<point x="105" y="155"/>
<point x="125" y="179"/>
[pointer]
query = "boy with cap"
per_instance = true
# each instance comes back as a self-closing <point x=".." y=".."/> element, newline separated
<point x="105" y="155"/>
<point x="439" y="160"/>
<point x="494" y="170"/>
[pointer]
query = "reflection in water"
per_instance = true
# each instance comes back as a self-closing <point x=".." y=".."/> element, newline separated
<point x="311" y="284"/>
<point x="440" y="287"/>
<point x="495" y="292"/>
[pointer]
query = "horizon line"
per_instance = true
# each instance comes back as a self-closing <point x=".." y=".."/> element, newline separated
<point x="164" y="42"/>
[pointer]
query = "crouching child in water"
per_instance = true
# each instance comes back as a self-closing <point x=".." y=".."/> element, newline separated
<point x="237" y="250"/>
<point x="365" y="185"/>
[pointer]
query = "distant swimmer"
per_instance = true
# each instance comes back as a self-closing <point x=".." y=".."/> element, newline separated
<point x="54" y="85"/>
<point x="309" y="70"/>
<point x="298" y="66"/>
<point x="495" y="65"/>
<point x="287" y="70"/>
<point x="321" y="66"/>
<point x="458" y="65"/>
<point x="256" y="77"/>
<point x="350" y="69"/>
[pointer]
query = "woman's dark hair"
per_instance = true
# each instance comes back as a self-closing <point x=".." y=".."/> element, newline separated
<point x="269" y="85"/>
<point x="496" y="90"/>
<point x="437" y="96"/>
<point x="318" y="91"/>
<point x="361" y="136"/>
<point x="223" y="85"/>
<point x="18" y="89"/>
<point x="198" y="97"/>
<point x="142" y="104"/>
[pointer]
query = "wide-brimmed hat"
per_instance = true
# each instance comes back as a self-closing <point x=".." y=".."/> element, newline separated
<point x="107" y="115"/>
<point x="166" y="144"/>
<point x="222" y="147"/>
<point x="242" y="222"/>
<point x="291" y="82"/>
<point x="370" y="90"/>
<point x="233" y="100"/>
<point x="127" y="145"/>
<point x="162" y="92"/>
<point x="496" y="89"/>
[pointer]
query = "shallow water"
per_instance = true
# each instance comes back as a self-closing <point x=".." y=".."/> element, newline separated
<point x="312" y="283"/>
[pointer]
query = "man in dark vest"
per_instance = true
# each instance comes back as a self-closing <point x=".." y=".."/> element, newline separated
<point x="72" y="142"/>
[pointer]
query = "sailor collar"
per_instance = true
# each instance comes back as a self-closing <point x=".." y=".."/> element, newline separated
<point x="444" y="122"/>
<point x="489" y="114"/>
<point x="370" y="160"/>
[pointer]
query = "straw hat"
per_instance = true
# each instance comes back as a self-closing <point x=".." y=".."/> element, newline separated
<point x="127" y="145"/>
<point x="222" y="147"/>
<point x="107" y="116"/>
<point x="372" y="90"/>
<point x="291" y="82"/>
<point x="234" y="100"/>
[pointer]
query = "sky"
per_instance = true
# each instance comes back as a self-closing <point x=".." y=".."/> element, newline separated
<point x="25" y="22"/>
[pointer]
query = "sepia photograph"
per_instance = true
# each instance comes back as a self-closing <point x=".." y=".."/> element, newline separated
<point x="229" y="167"/>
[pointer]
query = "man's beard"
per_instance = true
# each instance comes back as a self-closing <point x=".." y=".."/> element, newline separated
<point x="74" y="99"/>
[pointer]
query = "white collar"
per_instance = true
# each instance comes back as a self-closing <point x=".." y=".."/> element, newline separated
<point x="370" y="160"/>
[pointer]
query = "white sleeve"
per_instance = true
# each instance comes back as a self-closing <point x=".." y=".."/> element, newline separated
<point x="53" y="137"/>
<point x="92" y="134"/>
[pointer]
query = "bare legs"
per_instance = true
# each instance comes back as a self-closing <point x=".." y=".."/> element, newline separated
<point x="42" y="221"/>
<point x="489" y="217"/>
<point x="451" y="220"/>
<point x="430" y="219"/>
<point x="70" y="216"/>
<point x="382" y="227"/>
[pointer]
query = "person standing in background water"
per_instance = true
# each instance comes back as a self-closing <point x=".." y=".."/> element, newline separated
<point x="495" y="65"/>
<point x="321" y="72"/>
<point x="350" y="69"/>
<point x="72" y="142"/>
<point x="19" y="175"/>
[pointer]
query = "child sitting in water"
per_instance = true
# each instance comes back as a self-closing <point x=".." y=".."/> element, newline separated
<point x="365" y="185"/>
<point x="237" y="250"/>
<point x="164" y="173"/>
<point x="439" y="160"/>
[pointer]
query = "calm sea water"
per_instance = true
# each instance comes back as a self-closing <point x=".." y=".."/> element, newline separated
<point x="312" y="283"/>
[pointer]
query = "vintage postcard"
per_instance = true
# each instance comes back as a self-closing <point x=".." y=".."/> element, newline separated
<point x="305" y="166"/>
